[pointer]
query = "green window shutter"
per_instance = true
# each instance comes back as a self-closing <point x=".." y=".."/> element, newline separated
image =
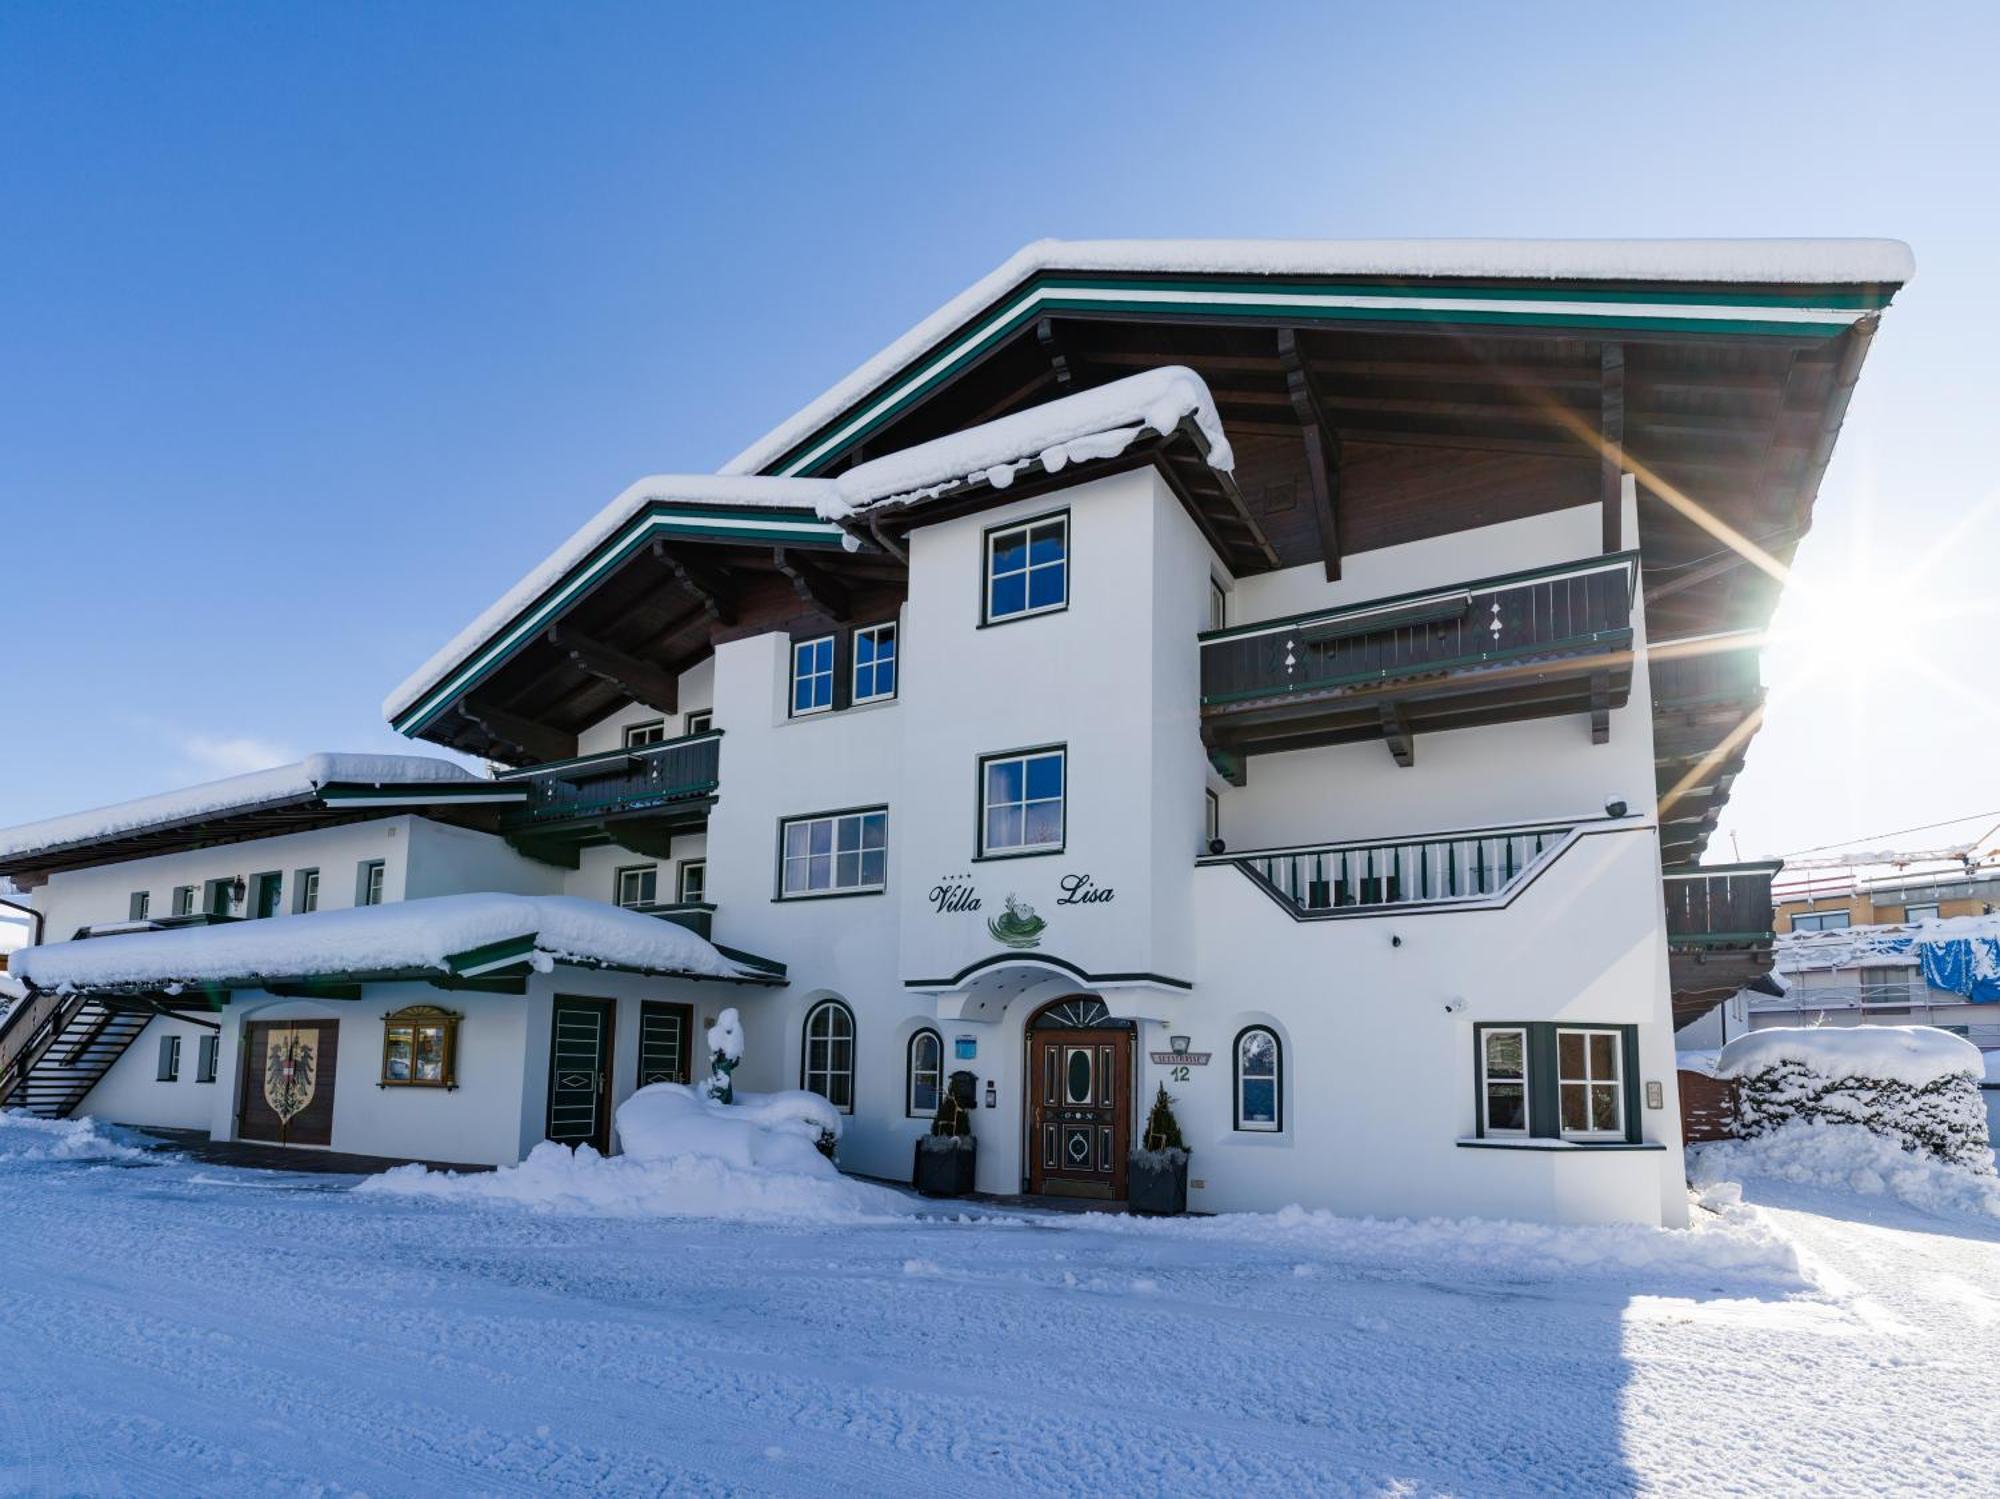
<point x="1544" y="1099"/>
<point x="1629" y="1036"/>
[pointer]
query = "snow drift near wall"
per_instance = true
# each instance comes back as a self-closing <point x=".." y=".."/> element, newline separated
<point x="1847" y="1158"/>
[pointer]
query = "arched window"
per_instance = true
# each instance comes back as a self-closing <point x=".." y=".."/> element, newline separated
<point x="828" y="1065"/>
<point x="926" y="1074"/>
<point x="1260" y="1087"/>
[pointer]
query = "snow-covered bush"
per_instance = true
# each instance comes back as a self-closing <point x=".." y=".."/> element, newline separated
<point x="725" y="1052"/>
<point x="1915" y="1085"/>
<point x="765" y="1131"/>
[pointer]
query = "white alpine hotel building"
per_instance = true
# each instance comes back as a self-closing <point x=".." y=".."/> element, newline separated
<point x="1304" y="675"/>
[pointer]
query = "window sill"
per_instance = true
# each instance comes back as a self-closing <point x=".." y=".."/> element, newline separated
<point x="808" y="899"/>
<point x="1558" y="1147"/>
<point x="1026" y="853"/>
<point x="821" y="715"/>
<point x="1255" y="1139"/>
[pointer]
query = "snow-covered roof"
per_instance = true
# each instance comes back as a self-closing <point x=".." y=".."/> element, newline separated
<point x="1097" y="423"/>
<point x="445" y="934"/>
<point x="1804" y="262"/>
<point x="1894" y="945"/>
<point x="1915" y="1054"/>
<point x="232" y="794"/>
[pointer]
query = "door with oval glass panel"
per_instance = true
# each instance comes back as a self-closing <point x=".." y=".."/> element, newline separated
<point x="580" y="1072"/>
<point x="1080" y="1100"/>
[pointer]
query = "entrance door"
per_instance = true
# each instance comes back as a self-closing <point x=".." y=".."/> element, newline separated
<point x="665" y="1039"/>
<point x="288" y="1068"/>
<point x="580" y="1072"/>
<point x="1080" y="1082"/>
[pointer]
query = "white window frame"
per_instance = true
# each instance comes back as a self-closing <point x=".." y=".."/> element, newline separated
<point x="855" y="820"/>
<point x="207" y="1053"/>
<point x="1487" y="1128"/>
<point x="1588" y="1081"/>
<point x="987" y="849"/>
<point x="1218" y="605"/>
<point x="875" y="633"/>
<point x="913" y="1072"/>
<point x="831" y="674"/>
<point x="698" y="722"/>
<point x="1028" y="570"/>
<point x="1241" y="1120"/>
<point x="184" y="899"/>
<point x="636" y="870"/>
<point x="650" y="731"/>
<point x="681" y="896"/>
<point x="808" y="1074"/>
<point x="374" y="882"/>
<point x="140" y="907"/>
<point x="170" y="1060"/>
<point x="306" y="898"/>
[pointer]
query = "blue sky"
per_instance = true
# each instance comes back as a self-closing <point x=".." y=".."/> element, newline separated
<point x="320" y="324"/>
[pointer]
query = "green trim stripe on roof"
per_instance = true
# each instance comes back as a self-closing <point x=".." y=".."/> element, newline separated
<point x="712" y="522"/>
<point x="1817" y="314"/>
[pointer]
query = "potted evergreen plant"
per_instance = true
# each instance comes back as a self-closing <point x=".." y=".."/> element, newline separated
<point x="1158" y="1176"/>
<point x="946" y="1155"/>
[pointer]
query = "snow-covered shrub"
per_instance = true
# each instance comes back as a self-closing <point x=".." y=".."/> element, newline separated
<point x="725" y="1053"/>
<point x="1915" y="1085"/>
<point x="766" y="1131"/>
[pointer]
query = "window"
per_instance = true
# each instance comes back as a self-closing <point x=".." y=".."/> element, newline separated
<point x="828" y="1065"/>
<point x="170" y="1059"/>
<point x="1212" y="826"/>
<point x="1218" y="606"/>
<point x="1021" y="802"/>
<point x="692" y="886"/>
<point x="368" y="887"/>
<point x="1027" y="568"/>
<point x="843" y="853"/>
<point x="420" y="1048"/>
<point x="638" y="886"/>
<point x="1259" y="1099"/>
<point x="222" y="897"/>
<point x="269" y="893"/>
<point x="1503" y="1081"/>
<point x="926" y="1074"/>
<point x="1590" y="1077"/>
<point x="812" y="676"/>
<point x="204" y="1058"/>
<point x="652" y="731"/>
<point x="875" y="664"/>
<point x="1820" y="921"/>
<point x="140" y="906"/>
<point x="702" y="722"/>
<point x="1921" y="913"/>
<point x="183" y="900"/>
<point x="305" y="891"/>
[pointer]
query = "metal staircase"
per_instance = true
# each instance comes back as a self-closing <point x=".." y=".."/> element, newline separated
<point x="53" y="1053"/>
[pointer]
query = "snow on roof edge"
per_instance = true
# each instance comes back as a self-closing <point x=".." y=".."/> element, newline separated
<point x="1805" y="262"/>
<point x="231" y="793"/>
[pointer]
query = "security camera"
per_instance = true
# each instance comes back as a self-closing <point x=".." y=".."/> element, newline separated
<point x="1453" y="1006"/>
<point x="1614" y="805"/>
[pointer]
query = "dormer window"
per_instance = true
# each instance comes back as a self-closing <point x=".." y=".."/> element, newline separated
<point x="1027" y="568"/>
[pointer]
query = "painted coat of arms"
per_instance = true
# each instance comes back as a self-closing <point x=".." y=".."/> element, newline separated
<point x="290" y="1067"/>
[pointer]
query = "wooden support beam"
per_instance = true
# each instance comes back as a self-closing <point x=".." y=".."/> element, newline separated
<point x="816" y="586"/>
<point x="1600" y="708"/>
<point x="1611" y="444"/>
<point x="1396" y="732"/>
<point x="1322" y="445"/>
<point x="531" y="741"/>
<point x="1058" y="354"/>
<point x="715" y="591"/>
<point x="642" y="681"/>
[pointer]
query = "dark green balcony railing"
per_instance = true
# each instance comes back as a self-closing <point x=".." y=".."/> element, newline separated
<point x="650" y="778"/>
<point x="1580" y="608"/>
<point x="1720" y="905"/>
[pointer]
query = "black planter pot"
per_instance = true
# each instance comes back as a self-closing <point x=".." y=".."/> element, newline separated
<point x="944" y="1165"/>
<point x="1156" y="1182"/>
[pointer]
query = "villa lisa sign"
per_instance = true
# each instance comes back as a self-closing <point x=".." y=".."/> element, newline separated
<point x="1018" y="925"/>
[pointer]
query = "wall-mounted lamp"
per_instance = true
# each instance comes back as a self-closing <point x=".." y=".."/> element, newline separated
<point x="1180" y="1045"/>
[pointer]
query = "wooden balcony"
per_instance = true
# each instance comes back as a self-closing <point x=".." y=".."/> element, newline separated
<point x="1555" y="640"/>
<point x="639" y="798"/>
<point x="1720" y="932"/>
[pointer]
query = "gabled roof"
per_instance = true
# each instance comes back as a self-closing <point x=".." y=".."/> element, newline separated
<point x="304" y="793"/>
<point x="1726" y="263"/>
<point x="446" y="937"/>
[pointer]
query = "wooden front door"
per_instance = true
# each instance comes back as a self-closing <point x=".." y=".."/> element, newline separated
<point x="580" y="1072"/>
<point x="1080" y="1122"/>
<point x="288" y="1071"/>
<point x="666" y="1040"/>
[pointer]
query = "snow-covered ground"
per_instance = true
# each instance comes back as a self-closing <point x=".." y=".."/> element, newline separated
<point x="174" y="1328"/>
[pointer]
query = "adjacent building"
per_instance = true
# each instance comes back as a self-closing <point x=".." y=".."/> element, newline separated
<point x="1304" y="676"/>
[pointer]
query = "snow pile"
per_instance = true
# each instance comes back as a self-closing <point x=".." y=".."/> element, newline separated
<point x="1702" y="1062"/>
<point x="1097" y="423"/>
<point x="405" y="935"/>
<point x="1739" y="1245"/>
<point x="685" y="1157"/>
<point x="281" y="783"/>
<point x="1790" y="261"/>
<point x="23" y="1137"/>
<point x="1914" y="1085"/>
<point x="1847" y="1159"/>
